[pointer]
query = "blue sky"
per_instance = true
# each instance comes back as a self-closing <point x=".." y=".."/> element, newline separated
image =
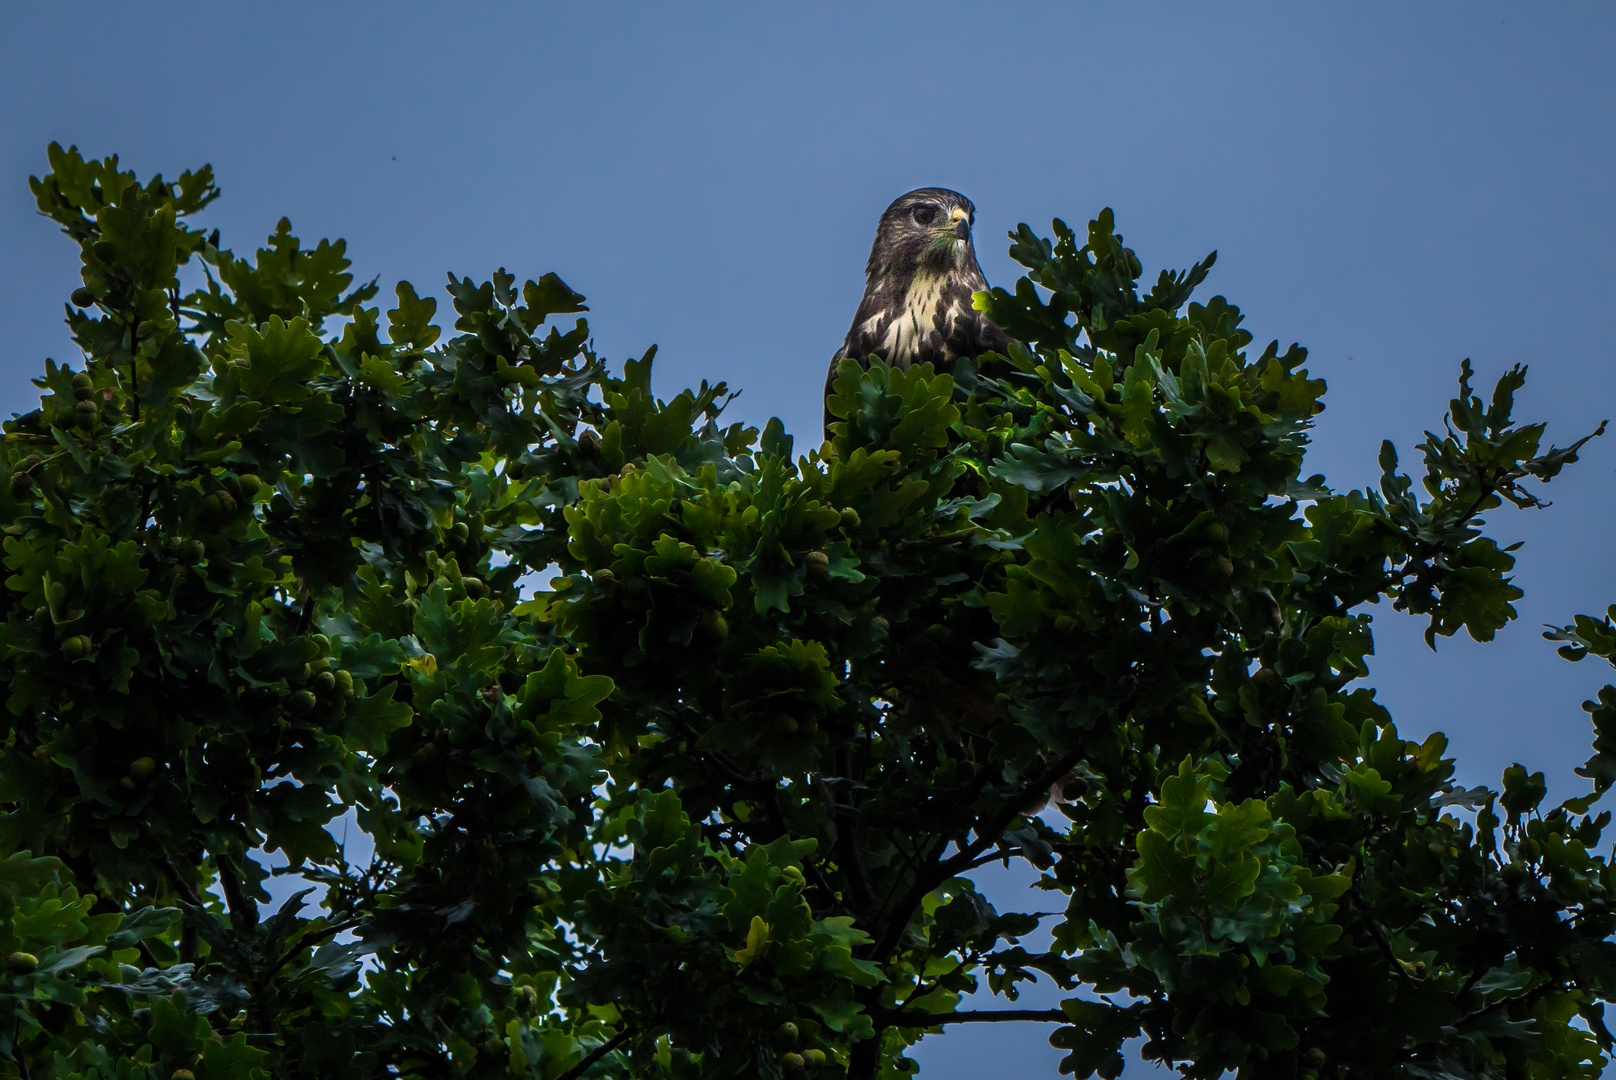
<point x="1395" y="186"/>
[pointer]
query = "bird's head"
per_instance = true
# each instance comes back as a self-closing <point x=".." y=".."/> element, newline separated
<point x="929" y="227"/>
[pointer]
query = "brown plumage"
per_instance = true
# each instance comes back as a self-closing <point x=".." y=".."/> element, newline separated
<point x="918" y="285"/>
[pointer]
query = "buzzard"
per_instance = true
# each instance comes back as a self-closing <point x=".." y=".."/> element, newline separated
<point x="917" y="288"/>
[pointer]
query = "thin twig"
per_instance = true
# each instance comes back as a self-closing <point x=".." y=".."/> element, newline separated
<point x="721" y="759"/>
<point x="306" y="615"/>
<point x="166" y="865"/>
<point x="596" y="1054"/>
<point x="304" y="942"/>
<point x="923" y="989"/>
<point x="134" y="365"/>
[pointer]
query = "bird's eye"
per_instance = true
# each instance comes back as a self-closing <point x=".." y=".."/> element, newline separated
<point x="925" y="214"/>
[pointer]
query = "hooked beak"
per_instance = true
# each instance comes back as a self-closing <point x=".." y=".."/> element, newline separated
<point x="962" y="223"/>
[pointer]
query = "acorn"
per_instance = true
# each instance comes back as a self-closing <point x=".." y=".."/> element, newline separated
<point x="786" y="1034"/>
<point x="182" y="1074"/>
<point x="814" y="1057"/>
<point x="475" y="587"/>
<point x="142" y="769"/>
<point x="192" y="552"/>
<point x="85" y="408"/>
<point x="227" y="504"/>
<point x="301" y="702"/>
<point x="325" y="682"/>
<point x="21" y="483"/>
<point x="785" y="722"/>
<point x="604" y="575"/>
<point x="344" y="681"/>
<point x="1215" y="532"/>
<point x="83" y="393"/>
<point x="127" y="785"/>
<point x="76" y="648"/>
<point x="714" y="625"/>
<point x="793" y="1062"/>
<point x="851" y="520"/>
<point x="81" y="297"/>
<point x="461" y="532"/>
<point x="82" y="379"/>
<point x="792" y="873"/>
<point x="250" y="485"/>
<point x="21" y="963"/>
<point x="818" y="563"/>
<point x="1220" y="569"/>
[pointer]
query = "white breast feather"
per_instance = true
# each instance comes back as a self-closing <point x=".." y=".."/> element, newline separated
<point x="915" y="323"/>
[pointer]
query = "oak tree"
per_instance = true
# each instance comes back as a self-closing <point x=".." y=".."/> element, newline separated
<point x="678" y="754"/>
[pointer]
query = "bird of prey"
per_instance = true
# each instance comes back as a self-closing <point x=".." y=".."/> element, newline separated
<point x="917" y="288"/>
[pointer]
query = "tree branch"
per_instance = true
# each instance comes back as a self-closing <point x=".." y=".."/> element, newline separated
<point x="736" y="774"/>
<point x="938" y="539"/>
<point x="596" y="1054"/>
<point x="909" y="1018"/>
<point x="986" y="835"/>
<point x="243" y="912"/>
<point x="170" y="871"/>
<point x="134" y="365"/>
<point x="924" y="989"/>
<point x="309" y="939"/>
<point x="847" y="841"/>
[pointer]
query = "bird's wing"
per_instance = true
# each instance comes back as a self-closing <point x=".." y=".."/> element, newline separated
<point x="989" y="337"/>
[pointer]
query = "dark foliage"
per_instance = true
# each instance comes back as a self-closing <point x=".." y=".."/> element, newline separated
<point x="711" y="804"/>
